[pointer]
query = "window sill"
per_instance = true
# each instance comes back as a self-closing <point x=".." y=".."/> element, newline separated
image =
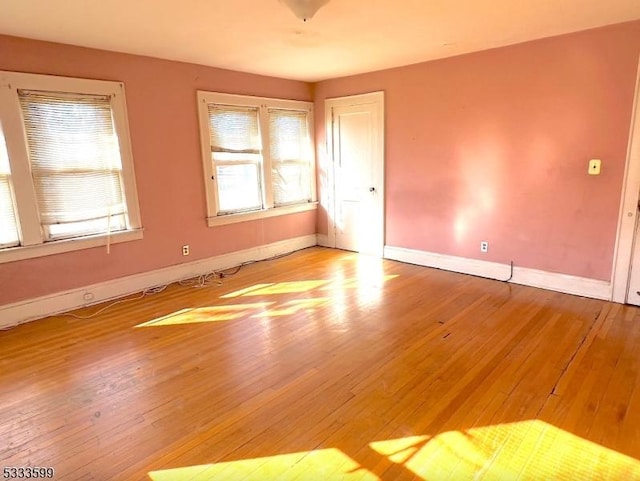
<point x="67" y="245"/>
<point x="260" y="214"/>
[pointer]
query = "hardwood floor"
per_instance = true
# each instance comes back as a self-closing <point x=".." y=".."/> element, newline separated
<point x="328" y="365"/>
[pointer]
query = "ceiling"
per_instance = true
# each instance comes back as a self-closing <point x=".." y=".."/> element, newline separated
<point x="345" y="37"/>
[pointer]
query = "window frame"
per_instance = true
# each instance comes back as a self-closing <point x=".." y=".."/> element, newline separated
<point x="6" y="179"/>
<point x="32" y="239"/>
<point x="214" y="218"/>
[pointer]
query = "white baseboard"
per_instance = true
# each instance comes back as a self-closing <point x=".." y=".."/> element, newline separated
<point x="24" y="311"/>
<point x="323" y="240"/>
<point x="580" y="286"/>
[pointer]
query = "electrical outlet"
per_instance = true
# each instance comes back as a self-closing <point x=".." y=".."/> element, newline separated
<point x="88" y="296"/>
<point x="185" y="250"/>
<point x="484" y="246"/>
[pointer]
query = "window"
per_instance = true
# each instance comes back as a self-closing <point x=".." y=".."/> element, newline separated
<point x="8" y="225"/>
<point x="258" y="156"/>
<point x="290" y="166"/>
<point x="236" y="156"/>
<point x="66" y="173"/>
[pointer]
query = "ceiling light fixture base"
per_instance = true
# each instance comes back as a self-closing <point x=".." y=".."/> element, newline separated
<point x="304" y="9"/>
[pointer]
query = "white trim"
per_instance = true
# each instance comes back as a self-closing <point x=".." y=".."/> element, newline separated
<point x="330" y="193"/>
<point x="23" y="311"/>
<point x="358" y="99"/>
<point x="240" y="100"/>
<point x="376" y="98"/>
<point x="580" y="286"/>
<point x="260" y="214"/>
<point x="121" y="125"/>
<point x="67" y="245"/>
<point x="627" y="219"/>
<point x="323" y="240"/>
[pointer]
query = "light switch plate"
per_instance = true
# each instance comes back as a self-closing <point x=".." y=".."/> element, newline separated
<point x="594" y="166"/>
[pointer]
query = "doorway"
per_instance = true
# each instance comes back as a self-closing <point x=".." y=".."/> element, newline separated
<point x="355" y="143"/>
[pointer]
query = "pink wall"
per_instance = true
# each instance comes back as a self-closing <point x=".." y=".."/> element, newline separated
<point x="487" y="146"/>
<point x="494" y="146"/>
<point x="161" y="102"/>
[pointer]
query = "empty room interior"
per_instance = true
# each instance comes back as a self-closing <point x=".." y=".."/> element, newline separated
<point x="319" y="239"/>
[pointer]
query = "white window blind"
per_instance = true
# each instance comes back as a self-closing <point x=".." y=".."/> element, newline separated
<point x="75" y="163"/>
<point x="8" y="226"/>
<point x="290" y="156"/>
<point x="236" y="153"/>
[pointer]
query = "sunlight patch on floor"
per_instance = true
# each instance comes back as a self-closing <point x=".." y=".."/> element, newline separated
<point x="367" y="287"/>
<point x="278" y="288"/>
<point x="400" y="450"/>
<point x="292" y="307"/>
<point x="246" y="290"/>
<point x="316" y="465"/>
<point x="358" y="282"/>
<point x="527" y="450"/>
<point x="205" y="314"/>
<point x="523" y="450"/>
<point x="367" y="279"/>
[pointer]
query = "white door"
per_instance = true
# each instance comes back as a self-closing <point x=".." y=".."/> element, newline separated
<point x="626" y="269"/>
<point x="633" y="294"/>
<point x="357" y="148"/>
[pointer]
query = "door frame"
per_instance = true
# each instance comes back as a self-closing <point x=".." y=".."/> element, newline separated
<point x="376" y="98"/>
<point x="628" y="216"/>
